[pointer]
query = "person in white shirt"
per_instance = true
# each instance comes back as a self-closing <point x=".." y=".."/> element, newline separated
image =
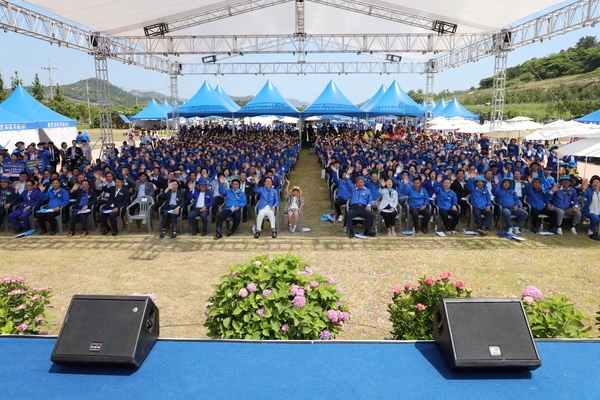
<point x="591" y="209"/>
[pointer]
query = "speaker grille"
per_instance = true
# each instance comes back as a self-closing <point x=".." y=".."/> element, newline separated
<point x="479" y="328"/>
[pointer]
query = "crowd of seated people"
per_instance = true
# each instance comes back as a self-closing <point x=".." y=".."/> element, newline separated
<point x="512" y="183"/>
<point x="186" y="176"/>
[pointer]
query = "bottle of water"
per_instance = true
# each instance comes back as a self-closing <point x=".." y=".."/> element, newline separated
<point x="413" y="230"/>
<point x="541" y="228"/>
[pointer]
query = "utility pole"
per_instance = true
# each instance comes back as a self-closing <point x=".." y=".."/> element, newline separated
<point x="87" y="92"/>
<point x="49" y="68"/>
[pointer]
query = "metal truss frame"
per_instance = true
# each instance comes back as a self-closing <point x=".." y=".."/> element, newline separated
<point x="101" y="47"/>
<point x="306" y="68"/>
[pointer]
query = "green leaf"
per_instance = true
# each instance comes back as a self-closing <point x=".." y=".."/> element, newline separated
<point x="226" y="322"/>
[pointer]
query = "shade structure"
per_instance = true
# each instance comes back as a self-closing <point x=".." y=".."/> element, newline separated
<point x="395" y="102"/>
<point x="375" y="98"/>
<point x="14" y="128"/>
<point x="455" y="109"/>
<point x="206" y="103"/>
<point x="593" y="118"/>
<point x="269" y="101"/>
<point x="439" y="108"/>
<point x="332" y="101"/>
<point x="514" y="130"/>
<point x="51" y="125"/>
<point x="559" y="129"/>
<point x="582" y="148"/>
<point x="152" y="112"/>
<point x="226" y="97"/>
<point x="165" y="104"/>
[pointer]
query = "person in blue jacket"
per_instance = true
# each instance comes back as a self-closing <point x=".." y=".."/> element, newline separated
<point x="591" y="209"/>
<point x="481" y="200"/>
<point x="508" y="199"/>
<point x="360" y="204"/>
<point x="565" y="201"/>
<point x="201" y="200"/>
<point x="343" y="193"/>
<point x="447" y="203"/>
<point x="267" y="205"/>
<point x="31" y="198"/>
<point x="418" y="203"/>
<point x="540" y="202"/>
<point x="57" y="198"/>
<point x="235" y="201"/>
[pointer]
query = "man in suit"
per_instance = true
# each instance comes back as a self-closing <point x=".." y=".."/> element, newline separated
<point x="201" y="202"/>
<point x="7" y="196"/>
<point x="85" y="198"/>
<point x="117" y="199"/>
<point x="57" y="198"/>
<point x="172" y="200"/>
<point x="143" y="187"/>
<point x="157" y="180"/>
<point x="53" y="155"/>
<point x="460" y="187"/>
<point x="75" y="154"/>
<point x="248" y="188"/>
<point x="31" y="198"/>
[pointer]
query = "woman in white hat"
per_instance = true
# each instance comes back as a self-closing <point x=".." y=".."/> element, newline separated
<point x="294" y="205"/>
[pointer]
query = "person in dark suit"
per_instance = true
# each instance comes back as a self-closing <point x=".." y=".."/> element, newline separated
<point x="64" y="154"/>
<point x="172" y="200"/>
<point x="461" y="188"/>
<point x="157" y="180"/>
<point x="248" y="188"/>
<point x="7" y="197"/>
<point x="75" y="154"/>
<point x="118" y="198"/>
<point x="85" y="198"/>
<point x="31" y="198"/>
<point x="201" y="201"/>
<point x="53" y="155"/>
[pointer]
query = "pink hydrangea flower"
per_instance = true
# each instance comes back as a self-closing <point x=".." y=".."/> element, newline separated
<point x="420" y="307"/>
<point x="445" y="275"/>
<point x="284" y="327"/>
<point x="324" y="335"/>
<point x="339" y="303"/>
<point x="208" y="304"/>
<point x="243" y="293"/>
<point x="21" y="307"/>
<point x="308" y="271"/>
<point x="299" y="301"/>
<point x="40" y="320"/>
<point x="343" y="316"/>
<point x="16" y="291"/>
<point x="300" y="292"/>
<point x="532" y="291"/>
<point x="266" y="292"/>
<point x="338" y="289"/>
<point x="330" y="281"/>
<point x="36" y="297"/>
<point x="332" y="315"/>
<point x="407" y="286"/>
<point x="261" y="311"/>
<point x="429" y="281"/>
<point x="459" y="284"/>
<point x="528" y="300"/>
<point x="314" y="283"/>
<point x="251" y="287"/>
<point x="294" y="288"/>
<point x="22" y="327"/>
<point x="397" y="289"/>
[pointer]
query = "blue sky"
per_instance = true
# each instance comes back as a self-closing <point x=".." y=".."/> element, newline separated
<point x="27" y="56"/>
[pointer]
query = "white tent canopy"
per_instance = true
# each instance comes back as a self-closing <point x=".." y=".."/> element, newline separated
<point x="582" y="148"/>
<point x="515" y="130"/>
<point x="560" y="129"/>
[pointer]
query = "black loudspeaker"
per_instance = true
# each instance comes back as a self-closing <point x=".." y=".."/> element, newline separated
<point x="107" y="330"/>
<point x="484" y="334"/>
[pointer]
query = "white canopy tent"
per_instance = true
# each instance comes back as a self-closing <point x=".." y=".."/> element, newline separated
<point x="560" y="129"/>
<point x="515" y="129"/>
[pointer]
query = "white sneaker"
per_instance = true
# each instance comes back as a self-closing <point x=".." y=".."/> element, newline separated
<point x="293" y="228"/>
<point x="559" y="231"/>
<point x="590" y="232"/>
<point x="574" y="230"/>
<point x="510" y="231"/>
<point x="516" y="231"/>
<point x="253" y="229"/>
<point x="340" y="218"/>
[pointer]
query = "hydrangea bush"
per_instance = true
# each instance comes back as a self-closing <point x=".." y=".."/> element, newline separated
<point x="278" y="298"/>
<point x="23" y="308"/>
<point x="553" y="317"/>
<point x="412" y="307"/>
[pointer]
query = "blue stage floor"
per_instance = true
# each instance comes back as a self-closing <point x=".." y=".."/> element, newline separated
<point x="281" y="370"/>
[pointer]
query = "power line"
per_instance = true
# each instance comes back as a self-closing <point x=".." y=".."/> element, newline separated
<point x="49" y="68"/>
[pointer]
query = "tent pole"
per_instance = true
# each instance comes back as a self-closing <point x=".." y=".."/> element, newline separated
<point x="232" y="124"/>
<point x="585" y="168"/>
<point x="300" y="127"/>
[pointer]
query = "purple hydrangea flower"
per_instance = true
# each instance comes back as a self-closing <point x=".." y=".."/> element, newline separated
<point x="40" y="320"/>
<point x="266" y="292"/>
<point x="314" y="283"/>
<point x="343" y="316"/>
<point x="251" y="287"/>
<point x="243" y="292"/>
<point x="324" y="335"/>
<point x="261" y="311"/>
<point x="332" y="315"/>
<point x="308" y="271"/>
<point x="16" y="291"/>
<point x="21" y="307"/>
<point x="284" y="327"/>
<point x="22" y="327"/>
<point x="532" y="291"/>
<point x="294" y="288"/>
<point x="299" y="301"/>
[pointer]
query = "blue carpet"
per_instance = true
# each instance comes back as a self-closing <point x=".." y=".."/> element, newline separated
<point x="277" y="370"/>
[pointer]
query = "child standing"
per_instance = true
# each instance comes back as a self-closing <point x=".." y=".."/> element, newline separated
<point x="294" y="205"/>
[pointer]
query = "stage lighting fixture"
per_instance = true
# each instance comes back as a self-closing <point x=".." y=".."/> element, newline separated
<point x="393" y="58"/>
<point x="443" y="27"/>
<point x="209" y="59"/>
<point x="157" y="29"/>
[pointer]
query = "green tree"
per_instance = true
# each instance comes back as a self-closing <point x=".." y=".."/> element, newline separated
<point x="586" y="42"/>
<point x="3" y="94"/>
<point x="58" y="95"/>
<point x="37" y="90"/>
<point x="15" y="81"/>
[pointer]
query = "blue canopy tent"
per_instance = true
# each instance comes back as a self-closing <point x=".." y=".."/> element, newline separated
<point x="165" y="104"/>
<point x="269" y="101"/>
<point x="332" y="101"/>
<point x="152" y="112"/>
<point x="375" y="98"/>
<point x="226" y="97"/>
<point x="439" y="109"/>
<point x="455" y="109"/>
<point x="51" y="125"/>
<point x="593" y="118"/>
<point x="206" y="103"/>
<point x="14" y="128"/>
<point x="395" y="102"/>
